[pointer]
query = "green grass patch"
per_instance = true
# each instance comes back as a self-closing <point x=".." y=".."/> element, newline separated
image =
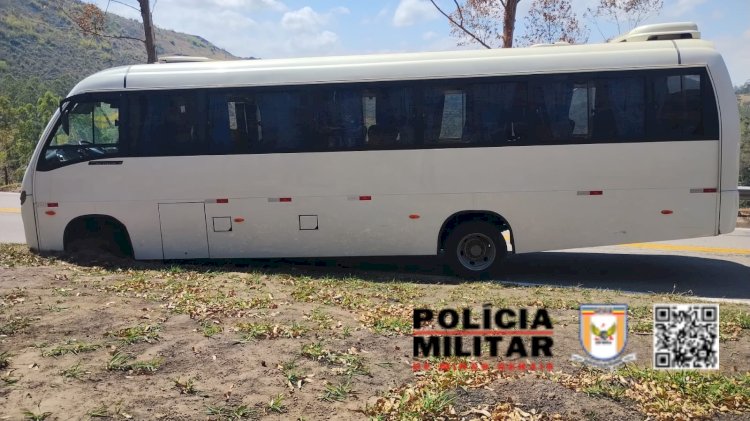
<point x="661" y="394"/>
<point x="338" y="392"/>
<point x="270" y="331"/>
<point x="346" y="363"/>
<point x="231" y="413"/>
<point x="209" y="328"/>
<point x="70" y="347"/>
<point x="123" y="362"/>
<point x="134" y="334"/>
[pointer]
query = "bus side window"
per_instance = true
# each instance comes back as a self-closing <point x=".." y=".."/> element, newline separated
<point x="560" y="111"/>
<point x="677" y="107"/>
<point x="496" y="113"/>
<point x="444" y="116"/>
<point x="281" y="121"/>
<point x="233" y="124"/>
<point x="389" y="114"/>
<point x="338" y="122"/>
<point x="169" y="125"/>
<point x="618" y="109"/>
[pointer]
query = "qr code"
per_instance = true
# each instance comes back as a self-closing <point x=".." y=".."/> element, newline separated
<point x="686" y="336"/>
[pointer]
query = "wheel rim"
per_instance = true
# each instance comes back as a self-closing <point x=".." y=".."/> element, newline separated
<point x="476" y="252"/>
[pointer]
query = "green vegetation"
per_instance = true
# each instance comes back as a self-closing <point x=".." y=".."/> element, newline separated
<point x="270" y="331"/>
<point x="186" y="387"/>
<point x="135" y="334"/>
<point x="44" y="54"/>
<point x="34" y="416"/>
<point x="4" y="359"/>
<point x="745" y="148"/>
<point x="74" y="372"/>
<point x="122" y="362"/>
<point x="70" y="347"/>
<point x="665" y="394"/>
<point x="14" y="325"/>
<point x="338" y="392"/>
<point x="276" y="404"/>
<point x="230" y="413"/>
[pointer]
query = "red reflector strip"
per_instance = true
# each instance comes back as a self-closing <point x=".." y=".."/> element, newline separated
<point x="52" y="204"/>
<point x="414" y="216"/>
<point x="365" y="197"/>
<point x="666" y="212"/>
<point x="590" y="192"/>
<point x="708" y="190"/>
<point x="49" y="212"/>
<point x="222" y="200"/>
<point x="279" y="199"/>
<point x="239" y="220"/>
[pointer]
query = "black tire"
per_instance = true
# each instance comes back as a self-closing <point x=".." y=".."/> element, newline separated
<point x="475" y="249"/>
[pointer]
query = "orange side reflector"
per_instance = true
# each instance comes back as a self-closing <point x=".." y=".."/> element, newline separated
<point x="50" y="212"/>
<point x="239" y="220"/>
<point x="414" y="216"/>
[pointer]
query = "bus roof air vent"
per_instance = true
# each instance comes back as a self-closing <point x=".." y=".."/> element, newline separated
<point x="182" y="59"/>
<point x="661" y="31"/>
<point x="556" y="44"/>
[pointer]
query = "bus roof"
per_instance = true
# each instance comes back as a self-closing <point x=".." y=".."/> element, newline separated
<point x="403" y="66"/>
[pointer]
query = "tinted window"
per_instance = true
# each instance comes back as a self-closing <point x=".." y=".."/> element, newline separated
<point x="683" y="107"/>
<point x="390" y="117"/>
<point x="561" y="110"/>
<point x="338" y="120"/>
<point x="618" y="109"/>
<point x="535" y="110"/>
<point x="166" y="124"/>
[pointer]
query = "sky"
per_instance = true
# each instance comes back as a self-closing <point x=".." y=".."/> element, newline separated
<point x="303" y="28"/>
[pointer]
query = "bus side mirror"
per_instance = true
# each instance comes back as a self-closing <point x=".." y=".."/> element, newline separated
<point x="65" y="122"/>
<point x="64" y="111"/>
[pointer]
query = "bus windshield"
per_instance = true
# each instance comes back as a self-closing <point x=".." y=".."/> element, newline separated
<point x="92" y="131"/>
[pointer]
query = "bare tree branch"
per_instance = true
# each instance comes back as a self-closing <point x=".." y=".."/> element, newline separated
<point x="458" y="9"/>
<point x="126" y="5"/>
<point x="460" y="25"/>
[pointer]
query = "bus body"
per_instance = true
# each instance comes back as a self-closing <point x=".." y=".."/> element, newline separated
<point x="561" y="146"/>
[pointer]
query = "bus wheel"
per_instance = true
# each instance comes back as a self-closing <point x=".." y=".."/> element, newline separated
<point x="475" y="249"/>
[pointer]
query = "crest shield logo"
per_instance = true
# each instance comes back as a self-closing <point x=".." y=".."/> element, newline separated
<point x="603" y="330"/>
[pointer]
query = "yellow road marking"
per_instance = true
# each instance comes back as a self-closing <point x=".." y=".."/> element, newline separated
<point x="697" y="249"/>
<point x="10" y="210"/>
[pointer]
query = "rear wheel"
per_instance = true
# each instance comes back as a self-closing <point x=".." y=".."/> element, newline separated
<point x="475" y="249"/>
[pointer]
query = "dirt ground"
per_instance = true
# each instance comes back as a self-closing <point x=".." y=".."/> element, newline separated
<point x="278" y="340"/>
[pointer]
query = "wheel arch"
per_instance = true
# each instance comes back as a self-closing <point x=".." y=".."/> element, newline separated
<point x="104" y="226"/>
<point x="473" y="215"/>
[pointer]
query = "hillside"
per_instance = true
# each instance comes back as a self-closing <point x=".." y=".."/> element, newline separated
<point x="39" y="40"/>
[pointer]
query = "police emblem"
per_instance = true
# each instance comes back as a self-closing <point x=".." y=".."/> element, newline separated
<point x="604" y="334"/>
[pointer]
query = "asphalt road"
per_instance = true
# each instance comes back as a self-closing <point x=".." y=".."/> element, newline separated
<point x="714" y="267"/>
<point x="11" y="227"/>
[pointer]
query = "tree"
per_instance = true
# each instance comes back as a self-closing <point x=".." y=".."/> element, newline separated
<point x="20" y="127"/>
<point x="550" y="21"/>
<point x="91" y="20"/>
<point x="479" y="21"/>
<point x="624" y="14"/>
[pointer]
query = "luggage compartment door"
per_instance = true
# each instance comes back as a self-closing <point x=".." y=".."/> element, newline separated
<point x="183" y="230"/>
